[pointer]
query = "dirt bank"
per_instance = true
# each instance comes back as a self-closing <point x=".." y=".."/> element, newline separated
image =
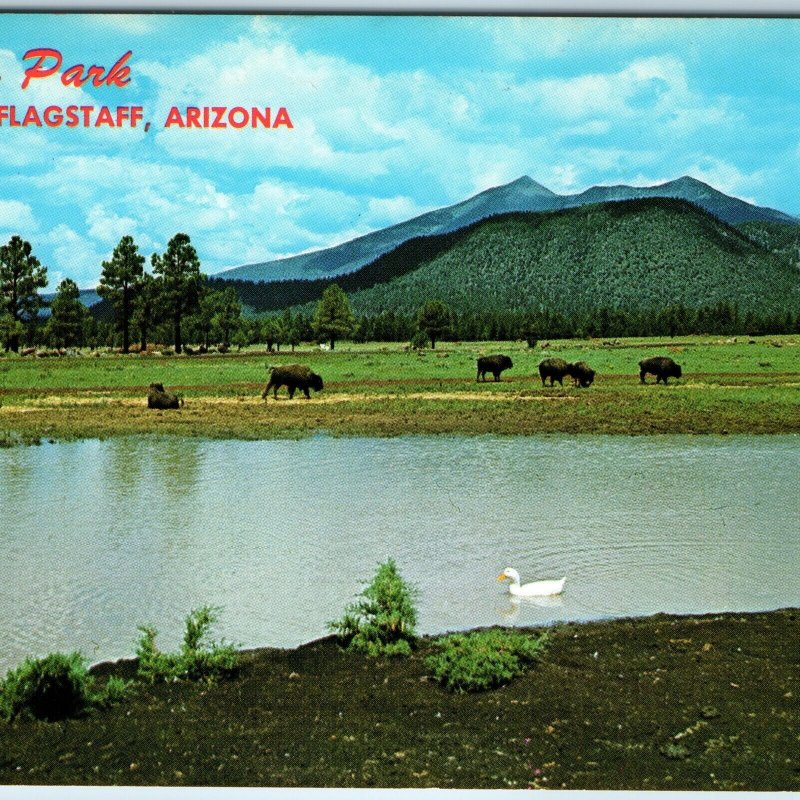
<point x="707" y="702"/>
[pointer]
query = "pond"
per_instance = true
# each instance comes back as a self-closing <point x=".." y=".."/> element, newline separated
<point x="99" y="537"/>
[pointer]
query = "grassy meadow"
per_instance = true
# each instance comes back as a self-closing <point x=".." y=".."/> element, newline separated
<point x="735" y="385"/>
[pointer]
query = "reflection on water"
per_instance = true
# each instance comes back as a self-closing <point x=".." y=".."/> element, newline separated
<point x="511" y="609"/>
<point x="99" y="537"/>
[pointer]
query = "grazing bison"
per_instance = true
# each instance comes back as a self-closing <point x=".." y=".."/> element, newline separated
<point x="158" y="398"/>
<point x="293" y="377"/>
<point x="582" y="374"/>
<point x="660" y="366"/>
<point x="494" y="364"/>
<point x="555" y="369"/>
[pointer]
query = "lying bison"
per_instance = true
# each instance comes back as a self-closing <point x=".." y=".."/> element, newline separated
<point x="581" y="373"/>
<point x="293" y="377"/>
<point x="555" y="369"/>
<point x="158" y="398"/>
<point x="494" y="364"/>
<point x="660" y="366"/>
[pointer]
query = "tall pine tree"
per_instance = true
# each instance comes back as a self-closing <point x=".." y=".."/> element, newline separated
<point x="21" y="275"/>
<point x="181" y="282"/>
<point x="67" y="316"/>
<point x="118" y="283"/>
<point x="334" y="319"/>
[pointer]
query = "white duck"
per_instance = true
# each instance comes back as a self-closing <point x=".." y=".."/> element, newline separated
<point x="535" y="589"/>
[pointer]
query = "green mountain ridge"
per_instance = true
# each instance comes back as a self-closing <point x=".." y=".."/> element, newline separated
<point x="628" y="255"/>
<point x="523" y="195"/>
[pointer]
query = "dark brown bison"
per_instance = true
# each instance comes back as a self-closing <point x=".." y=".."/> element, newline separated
<point x="293" y="377"/>
<point x="494" y="364"/>
<point x="660" y="366"/>
<point x="581" y="373"/>
<point x="158" y="398"/>
<point x="553" y="368"/>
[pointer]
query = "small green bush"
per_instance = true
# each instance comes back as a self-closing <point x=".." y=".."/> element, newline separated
<point x="115" y="691"/>
<point x="381" y="622"/>
<point x="50" y="688"/>
<point x="199" y="658"/>
<point x="479" y="660"/>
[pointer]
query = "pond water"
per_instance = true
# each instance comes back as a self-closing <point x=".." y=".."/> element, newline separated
<point x="101" y="536"/>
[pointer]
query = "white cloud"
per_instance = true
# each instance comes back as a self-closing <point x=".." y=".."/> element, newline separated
<point x="563" y="178"/>
<point x="384" y="211"/>
<point x="73" y="255"/>
<point x="347" y="120"/>
<point x="653" y="94"/>
<point x="17" y="217"/>
<point x="108" y="227"/>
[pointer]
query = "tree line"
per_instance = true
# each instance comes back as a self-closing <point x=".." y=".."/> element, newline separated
<point x="176" y="303"/>
<point x="173" y="304"/>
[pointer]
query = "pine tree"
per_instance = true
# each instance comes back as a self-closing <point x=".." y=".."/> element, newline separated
<point x="181" y="282"/>
<point x="67" y="316"/>
<point x="228" y="314"/>
<point x="435" y="319"/>
<point x="118" y="283"/>
<point x="145" y="307"/>
<point x="272" y="332"/>
<point x="21" y="275"/>
<point x="334" y="319"/>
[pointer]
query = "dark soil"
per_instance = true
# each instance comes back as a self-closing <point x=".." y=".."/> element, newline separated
<point x="664" y="702"/>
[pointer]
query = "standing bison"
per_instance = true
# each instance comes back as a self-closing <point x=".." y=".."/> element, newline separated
<point x="157" y="397"/>
<point x="494" y="364"/>
<point x="555" y="369"/>
<point x="660" y="366"/>
<point x="293" y="377"/>
<point x="581" y="373"/>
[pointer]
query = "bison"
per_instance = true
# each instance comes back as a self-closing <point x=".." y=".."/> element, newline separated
<point x="581" y="373"/>
<point x="494" y="364"/>
<point x="555" y="369"/>
<point x="660" y="366"/>
<point x="293" y="377"/>
<point x="158" y="398"/>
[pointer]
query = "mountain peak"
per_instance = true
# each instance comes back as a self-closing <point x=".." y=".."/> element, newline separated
<point x="686" y="180"/>
<point x="527" y="185"/>
<point x="524" y="180"/>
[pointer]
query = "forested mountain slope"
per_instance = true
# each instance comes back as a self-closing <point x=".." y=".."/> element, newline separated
<point x="630" y="255"/>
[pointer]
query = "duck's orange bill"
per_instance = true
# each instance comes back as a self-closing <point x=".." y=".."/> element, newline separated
<point x="501" y="577"/>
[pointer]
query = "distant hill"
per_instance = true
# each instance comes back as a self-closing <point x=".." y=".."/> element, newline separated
<point x="630" y="255"/>
<point x="88" y="297"/>
<point x="523" y="194"/>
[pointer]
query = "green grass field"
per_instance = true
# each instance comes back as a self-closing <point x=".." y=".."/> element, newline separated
<point x="728" y="386"/>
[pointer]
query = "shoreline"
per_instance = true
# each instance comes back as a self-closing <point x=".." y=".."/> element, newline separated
<point x="683" y="702"/>
<point x="727" y="387"/>
<point x="108" y="665"/>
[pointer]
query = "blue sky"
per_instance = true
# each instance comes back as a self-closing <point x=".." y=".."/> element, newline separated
<point x="393" y="116"/>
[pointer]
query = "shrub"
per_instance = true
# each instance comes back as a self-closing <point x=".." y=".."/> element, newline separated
<point x="55" y="687"/>
<point x="382" y="620"/>
<point x="199" y="658"/>
<point x="115" y="691"/>
<point x="471" y="662"/>
<point x="50" y="688"/>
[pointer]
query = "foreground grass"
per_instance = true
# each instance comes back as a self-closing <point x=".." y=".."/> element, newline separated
<point x="663" y="702"/>
<point x="743" y="386"/>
